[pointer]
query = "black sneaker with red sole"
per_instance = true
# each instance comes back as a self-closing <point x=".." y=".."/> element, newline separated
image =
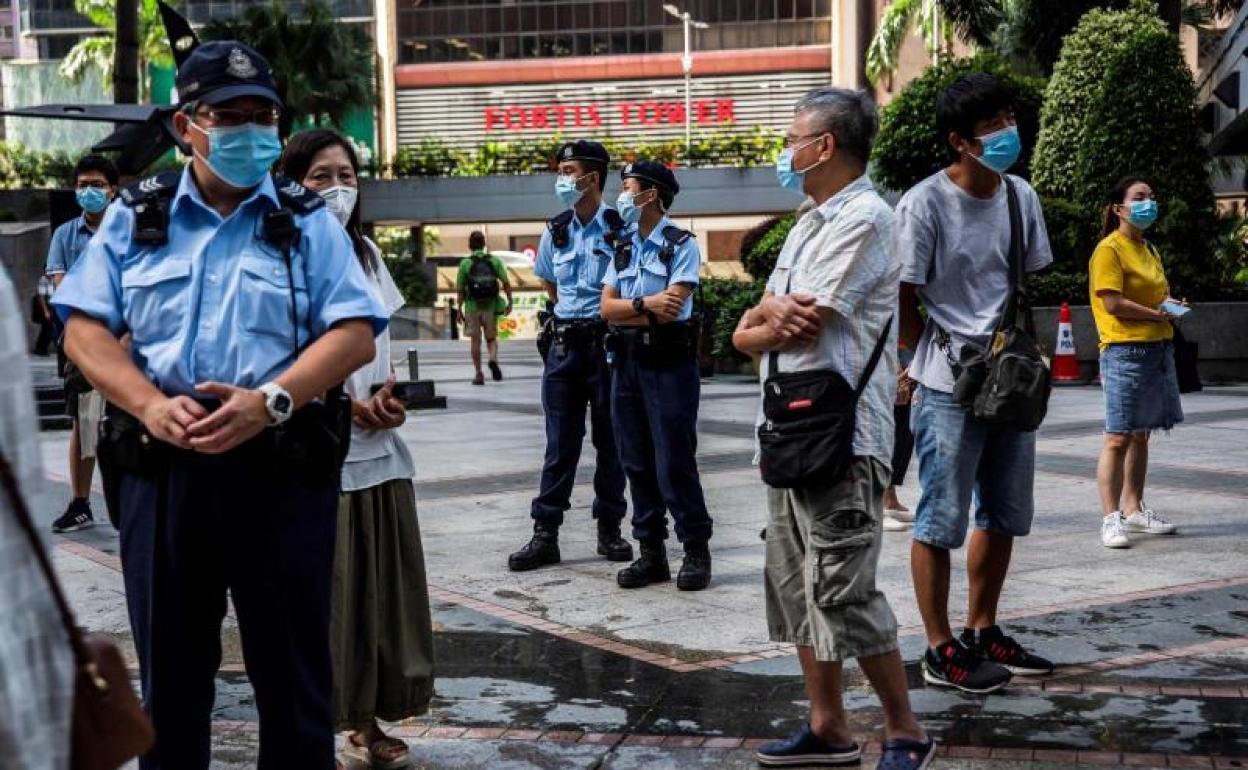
<point x="953" y="665"/>
<point x="993" y="645"/>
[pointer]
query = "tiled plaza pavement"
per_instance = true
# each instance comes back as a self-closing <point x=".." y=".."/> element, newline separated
<point x="560" y="669"/>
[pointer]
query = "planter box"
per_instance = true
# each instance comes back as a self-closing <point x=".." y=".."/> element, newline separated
<point x="1219" y="328"/>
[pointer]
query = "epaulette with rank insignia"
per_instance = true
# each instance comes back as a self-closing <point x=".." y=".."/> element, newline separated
<point x="673" y="236"/>
<point x="296" y="197"/>
<point x="150" y="201"/>
<point x="558" y="227"/>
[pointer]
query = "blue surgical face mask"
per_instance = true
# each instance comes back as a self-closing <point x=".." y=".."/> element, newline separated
<point x="93" y="200"/>
<point x="241" y="156"/>
<point x="790" y="178"/>
<point x="566" y="192"/>
<point x="1142" y="214"/>
<point x="1001" y="149"/>
<point x="630" y="212"/>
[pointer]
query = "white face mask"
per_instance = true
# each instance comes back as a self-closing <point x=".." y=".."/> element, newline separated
<point x="340" y="201"/>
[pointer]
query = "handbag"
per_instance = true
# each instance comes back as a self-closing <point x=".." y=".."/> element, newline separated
<point x="1186" y="358"/>
<point x="109" y="725"/>
<point x="1008" y="385"/>
<point x="807" y="435"/>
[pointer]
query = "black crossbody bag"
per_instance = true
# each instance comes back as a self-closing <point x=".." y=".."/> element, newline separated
<point x="807" y="435"/>
<point x="1008" y="385"/>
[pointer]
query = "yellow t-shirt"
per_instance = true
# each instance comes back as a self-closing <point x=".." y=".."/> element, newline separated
<point x="1134" y="270"/>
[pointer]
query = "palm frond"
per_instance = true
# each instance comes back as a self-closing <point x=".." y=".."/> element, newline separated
<point x="895" y="23"/>
<point x="975" y="21"/>
<point x="91" y="52"/>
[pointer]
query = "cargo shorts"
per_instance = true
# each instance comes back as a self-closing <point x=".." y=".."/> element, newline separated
<point x="823" y="545"/>
<point x="481" y="320"/>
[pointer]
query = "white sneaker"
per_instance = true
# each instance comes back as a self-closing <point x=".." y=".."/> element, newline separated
<point x="1114" y="531"/>
<point x="906" y="516"/>
<point x="1149" y="522"/>
<point x="892" y="523"/>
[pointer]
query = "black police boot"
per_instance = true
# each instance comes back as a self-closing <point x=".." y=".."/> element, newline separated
<point x="695" y="571"/>
<point x="650" y="568"/>
<point x="543" y="549"/>
<point x="611" y="544"/>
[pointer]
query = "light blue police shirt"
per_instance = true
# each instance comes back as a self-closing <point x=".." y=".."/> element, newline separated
<point x="68" y="242"/>
<point x="577" y="269"/>
<point x="647" y="275"/>
<point x="213" y="302"/>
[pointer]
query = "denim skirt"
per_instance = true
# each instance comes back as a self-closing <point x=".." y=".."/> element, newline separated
<point x="1141" y="387"/>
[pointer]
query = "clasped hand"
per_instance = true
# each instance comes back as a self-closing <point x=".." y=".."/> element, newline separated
<point x="187" y="424"/>
<point x="793" y="318"/>
<point x="666" y="305"/>
<point x="381" y="412"/>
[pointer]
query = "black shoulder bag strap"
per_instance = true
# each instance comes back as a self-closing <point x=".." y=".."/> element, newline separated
<point x="1017" y="311"/>
<point x="773" y="358"/>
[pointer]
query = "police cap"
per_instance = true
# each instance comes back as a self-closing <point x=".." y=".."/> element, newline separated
<point x="221" y="70"/>
<point x="651" y="171"/>
<point x="584" y="150"/>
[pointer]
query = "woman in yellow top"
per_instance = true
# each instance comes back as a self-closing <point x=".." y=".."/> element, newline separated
<point x="1128" y="285"/>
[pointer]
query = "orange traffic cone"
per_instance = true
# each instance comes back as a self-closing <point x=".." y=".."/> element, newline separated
<point x="1065" y="362"/>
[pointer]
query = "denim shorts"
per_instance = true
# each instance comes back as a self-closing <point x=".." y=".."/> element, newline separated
<point x="961" y="461"/>
<point x="1141" y="387"/>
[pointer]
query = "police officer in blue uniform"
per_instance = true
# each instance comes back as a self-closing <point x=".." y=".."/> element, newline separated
<point x="575" y="251"/>
<point x="245" y="305"/>
<point x="647" y="297"/>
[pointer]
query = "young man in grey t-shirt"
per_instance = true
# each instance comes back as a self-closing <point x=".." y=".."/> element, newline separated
<point x="953" y="240"/>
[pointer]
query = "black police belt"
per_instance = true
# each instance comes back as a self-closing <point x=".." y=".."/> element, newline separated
<point x="679" y="339"/>
<point x="579" y="332"/>
<point x="311" y="445"/>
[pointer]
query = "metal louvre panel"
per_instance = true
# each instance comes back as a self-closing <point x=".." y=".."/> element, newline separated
<point x="458" y="116"/>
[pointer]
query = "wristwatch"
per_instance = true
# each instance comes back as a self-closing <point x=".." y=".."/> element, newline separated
<point x="277" y="402"/>
<point x="639" y="305"/>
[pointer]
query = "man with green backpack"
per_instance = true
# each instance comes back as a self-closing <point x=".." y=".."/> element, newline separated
<point x="481" y="283"/>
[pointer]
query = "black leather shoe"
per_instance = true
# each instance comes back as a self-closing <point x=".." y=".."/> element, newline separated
<point x="695" y="571"/>
<point x="650" y="568"/>
<point x="612" y="545"/>
<point x="543" y="549"/>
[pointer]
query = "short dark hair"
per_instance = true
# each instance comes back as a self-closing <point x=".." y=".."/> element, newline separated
<point x="967" y="101"/>
<point x="476" y="240"/>
<point x="97" y="163"/>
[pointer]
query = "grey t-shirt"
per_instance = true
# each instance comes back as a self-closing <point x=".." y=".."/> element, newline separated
<point x="955" y="248"/>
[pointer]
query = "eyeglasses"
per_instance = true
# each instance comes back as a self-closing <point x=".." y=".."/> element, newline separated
<point x="789" y="141"/>
<point x="92" y="184"/>
<point x="230" y="118"/>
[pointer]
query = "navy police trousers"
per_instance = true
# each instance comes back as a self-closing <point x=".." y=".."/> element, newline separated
<point x="577" y="377"/>
<point x="212" y="524"/>
<point x="655" y="411"/>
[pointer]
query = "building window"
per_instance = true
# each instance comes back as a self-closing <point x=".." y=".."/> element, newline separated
<point x="470" y="30"/>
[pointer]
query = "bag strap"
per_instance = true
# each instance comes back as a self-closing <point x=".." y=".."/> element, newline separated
<point x="7" y="480"/>
<point x="1016" y="303"/>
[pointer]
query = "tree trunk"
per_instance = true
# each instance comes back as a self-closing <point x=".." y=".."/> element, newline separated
<point x="1171" y="12"/>
<point x="126" y="61"/>
<point x="867" y="15"/>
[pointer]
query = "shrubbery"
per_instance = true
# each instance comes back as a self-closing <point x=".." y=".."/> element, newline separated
<point x="533" y="156"/>
<point x="21" y="167"/>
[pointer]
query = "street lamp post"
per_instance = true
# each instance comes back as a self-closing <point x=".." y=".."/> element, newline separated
<point x="686" y="62"/>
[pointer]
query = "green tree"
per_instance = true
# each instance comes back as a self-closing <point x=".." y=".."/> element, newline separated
<point x="323" y="67"/>
<point x="1141" y="119"/>
<point x="939" y="22"/>
<point x="99" y="51"/>
<point x="908" y="148"/>
<point x="1077" y="77"/>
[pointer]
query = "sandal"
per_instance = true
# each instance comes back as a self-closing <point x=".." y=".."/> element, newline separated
<point x="381" y="754"/>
